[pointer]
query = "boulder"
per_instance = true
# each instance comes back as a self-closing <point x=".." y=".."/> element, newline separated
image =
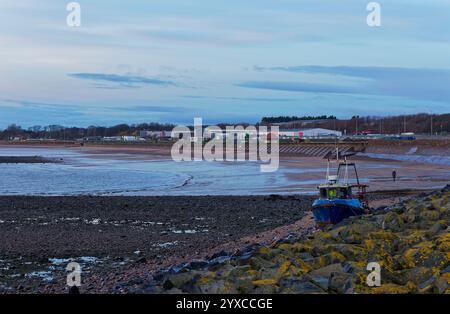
<point x="327" y="270"/>
<point x="441" y="285"/>
<point x="179" y="280"/>
<point x="341" y="283"/>
<point x="298" y="285"/>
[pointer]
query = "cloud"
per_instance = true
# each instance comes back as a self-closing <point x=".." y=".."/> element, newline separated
<point x="154" y="109"/>
<point x="26" y="104"/>
<point x="128" y="81"/>
<point x="252" y="99"/>
<point x="414" y="83"/>
<point x="298" y="87"/>
<point x="369" y="72"/>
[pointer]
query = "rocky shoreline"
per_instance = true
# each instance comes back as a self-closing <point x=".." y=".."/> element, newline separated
<point x="410" y="241"/>
<point x="229" y="244"/>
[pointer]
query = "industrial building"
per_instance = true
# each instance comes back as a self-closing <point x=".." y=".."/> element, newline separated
<point x="281" y="134"/>
<point x="309" y="133"/>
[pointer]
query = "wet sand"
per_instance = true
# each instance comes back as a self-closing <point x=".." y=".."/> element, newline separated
<point x="119" y="231"/>
<point x="410" y="175"/>
<point x="377" y="173"/>
<point x="308" y="171"/>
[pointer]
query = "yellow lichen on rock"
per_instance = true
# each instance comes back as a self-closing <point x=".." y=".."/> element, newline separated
<point x="391" y="288"/>
<point x="411" y="243"/>
<point x="443" y="243"/>
<point x="264" y="282"/>
<point x="283" y="268"/>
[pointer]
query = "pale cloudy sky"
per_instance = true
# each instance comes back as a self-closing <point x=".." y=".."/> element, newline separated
<point x="223" y="60"/>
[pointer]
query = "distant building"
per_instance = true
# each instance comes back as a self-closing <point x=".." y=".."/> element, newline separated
<point x="155" y="134"/>
<point x="234" y="134"/>
<point x="129" y="138"/>
<point x="309" y="133"/>
<point x="93" y="138"/>
<point x="112" y="138"/>
<point x="281" y="134"/>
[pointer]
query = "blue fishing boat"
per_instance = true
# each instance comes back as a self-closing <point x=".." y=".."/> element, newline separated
<point x="337" y="200"/>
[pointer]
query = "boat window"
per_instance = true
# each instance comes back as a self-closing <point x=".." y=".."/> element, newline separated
<point x="323" y="193"/>
<point x="343" y="193"/>
<point x="332" y="193"/>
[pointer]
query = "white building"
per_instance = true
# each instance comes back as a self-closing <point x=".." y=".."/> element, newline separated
<point x="309" y="133"/>
<point x="112" y="138"/>
<point x="129" y="138"/>
<point x="154" y="134"/>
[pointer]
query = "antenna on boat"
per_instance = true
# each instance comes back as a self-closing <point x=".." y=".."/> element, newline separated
<point x="346" y="171"/>
<point x="328" y="170"/>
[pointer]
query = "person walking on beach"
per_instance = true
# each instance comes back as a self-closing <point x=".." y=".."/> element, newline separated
<point x="394" y="175"/>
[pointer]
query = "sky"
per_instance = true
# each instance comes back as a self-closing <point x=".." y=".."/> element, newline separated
<point x="224" y="61"/>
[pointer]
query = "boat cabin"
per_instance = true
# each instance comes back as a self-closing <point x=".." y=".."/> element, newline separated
<point x="335" y="191"/>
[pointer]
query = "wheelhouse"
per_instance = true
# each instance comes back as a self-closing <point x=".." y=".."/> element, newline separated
<point x="335" y="192"/>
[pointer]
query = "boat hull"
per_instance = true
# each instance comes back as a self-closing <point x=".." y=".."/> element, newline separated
<point x="329" y="212"/>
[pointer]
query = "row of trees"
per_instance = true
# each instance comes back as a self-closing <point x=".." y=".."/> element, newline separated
<point x="71" y="133"/>
<point x="421" y="123"/>
<point x="418" y="123"/>
<point x="284" y="119"/>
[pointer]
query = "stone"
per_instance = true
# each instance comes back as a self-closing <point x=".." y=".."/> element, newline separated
<point x="179" y="280"/>
<point x="197" y="265"/>
<point x="174" y="291"/>
<point x="327" y="270"/>
<point x="239" y="271"/>
<point x="322" y="282"/>
<point x="244" y="285"/>
<point x="427" y="286"/>
<point x="341" y="283"/>
<point x="435" y="229"/>
<point x="392" y="221"/>
<point x="179" y="268"/>
<point x="297" y="285"/>
<point x="213" y="287"/>
<point x="430" y="215"/>
<point x="257" y="262"/>
<point x="390" y="288"/>
<point x="446" y="270"/>
<point x="416" y="275"/>
<point x="266" y="289"/>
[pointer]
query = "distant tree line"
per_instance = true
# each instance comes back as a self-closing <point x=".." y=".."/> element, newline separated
<point x="283" y="119"/>
<point x="72" y="133"/>
<point x="421" y="123"/>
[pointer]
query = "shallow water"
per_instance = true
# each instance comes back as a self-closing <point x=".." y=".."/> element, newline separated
<point x="82" y="174"/>
<point x="410" y="156"/>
